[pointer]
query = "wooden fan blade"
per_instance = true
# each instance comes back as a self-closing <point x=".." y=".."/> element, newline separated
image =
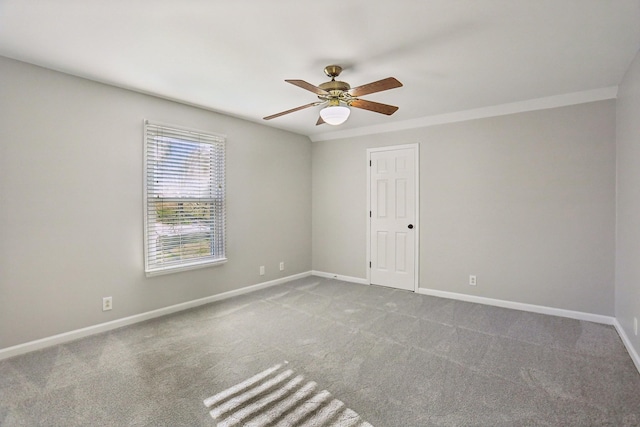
<point x="379" y="86"/>
<point x="313" y="104"/>
<point x="308" y="86"/>
<point x="320" y="121"/>
<point x="374" y="106"/>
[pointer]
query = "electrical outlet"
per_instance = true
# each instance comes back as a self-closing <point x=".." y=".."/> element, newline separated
<point x="281" y="265"/>
<point x="472" y="280"/>
<point x="262" y="270"/>
<point x="635" y="326"/>
<point x="107" y="303"/>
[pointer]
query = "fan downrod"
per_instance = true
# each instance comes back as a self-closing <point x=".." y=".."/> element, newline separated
<point x="334" y="87"/>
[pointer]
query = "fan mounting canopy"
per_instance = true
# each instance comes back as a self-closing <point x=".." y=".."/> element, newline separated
<point x="332" y="71"/>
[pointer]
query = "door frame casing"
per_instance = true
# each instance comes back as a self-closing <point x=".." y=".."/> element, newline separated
<point x="416" y="148"/>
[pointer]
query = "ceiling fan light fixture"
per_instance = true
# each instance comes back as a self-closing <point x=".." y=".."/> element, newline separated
<point x="335" y="114"/>
<point x="338" y="97"/>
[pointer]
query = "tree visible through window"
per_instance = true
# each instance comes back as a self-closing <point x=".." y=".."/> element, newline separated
<point x="184" y="199"/>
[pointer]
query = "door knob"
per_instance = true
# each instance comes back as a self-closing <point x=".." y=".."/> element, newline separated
<point x="410" y="226"/>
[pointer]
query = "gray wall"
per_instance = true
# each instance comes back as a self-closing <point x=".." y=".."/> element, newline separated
<point x="526" y="202"/>
<point x="627" y="287"/>
<point x="71" y="203"/>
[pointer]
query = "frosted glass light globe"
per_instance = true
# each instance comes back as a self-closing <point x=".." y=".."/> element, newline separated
<point x="335" y="114"/>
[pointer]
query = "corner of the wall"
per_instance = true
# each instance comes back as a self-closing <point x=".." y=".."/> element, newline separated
<point x="627" y="343"/>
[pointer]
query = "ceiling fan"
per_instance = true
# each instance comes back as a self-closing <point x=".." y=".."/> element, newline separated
<point x="337" y="97"/>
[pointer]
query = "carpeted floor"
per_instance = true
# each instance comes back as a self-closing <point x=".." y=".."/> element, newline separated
<point x="370" y="355"/>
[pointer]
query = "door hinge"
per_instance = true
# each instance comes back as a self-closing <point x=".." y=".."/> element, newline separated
<point x="369" y="162"/>
<point x="369" y="264"/>
<point x="369" y="214"/>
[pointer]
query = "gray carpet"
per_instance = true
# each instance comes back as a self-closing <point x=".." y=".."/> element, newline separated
<point x="392" y="358"/>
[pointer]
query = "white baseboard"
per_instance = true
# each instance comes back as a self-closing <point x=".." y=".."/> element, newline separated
<point x="596" y="318"/>
<point x="578" y="315"/>
<point x="627" y="343"/>
<point x="115" y="324"/>
<point x="27" y="347"/>
<point x="340" y="277"/>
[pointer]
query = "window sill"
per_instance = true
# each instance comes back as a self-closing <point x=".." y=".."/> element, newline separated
<point x="184" y="267"/>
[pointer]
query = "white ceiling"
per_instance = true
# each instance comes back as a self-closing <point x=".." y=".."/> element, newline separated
<point x="233" y="56"/>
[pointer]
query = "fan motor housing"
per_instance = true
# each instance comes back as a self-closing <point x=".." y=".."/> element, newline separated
<point x="335" y="85"/>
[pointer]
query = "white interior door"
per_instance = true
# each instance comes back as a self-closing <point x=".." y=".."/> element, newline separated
<point x="393" y="228"/>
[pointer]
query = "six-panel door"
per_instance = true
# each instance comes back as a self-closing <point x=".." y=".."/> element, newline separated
<point x="392" y="229"/>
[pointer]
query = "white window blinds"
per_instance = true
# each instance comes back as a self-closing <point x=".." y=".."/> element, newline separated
<point x="184" y="199"/>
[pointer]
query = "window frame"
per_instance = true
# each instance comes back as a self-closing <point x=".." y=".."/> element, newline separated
<point x="191" y="136"/>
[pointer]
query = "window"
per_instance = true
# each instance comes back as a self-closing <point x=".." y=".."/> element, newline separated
<point x="184" y="216"/>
